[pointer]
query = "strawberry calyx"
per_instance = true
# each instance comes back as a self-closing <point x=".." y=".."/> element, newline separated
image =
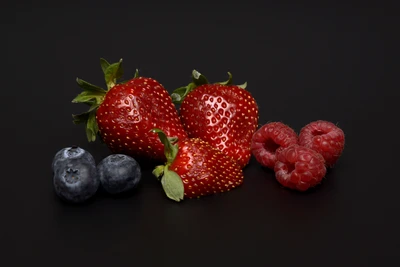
<point x="93" y="95"/>
<point x="180" y="93"/>
<point x="198" y="79"/>
<point x="170" y="180"/>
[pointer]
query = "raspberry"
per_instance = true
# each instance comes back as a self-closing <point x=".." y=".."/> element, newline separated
<point x="268" y="139"/>
<point x="325" y="138"/>
<point x="299" y="168"/>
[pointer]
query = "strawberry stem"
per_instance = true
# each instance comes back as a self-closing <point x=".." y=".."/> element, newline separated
<point x="170" y="180"/>
<point x="170" y="149"/>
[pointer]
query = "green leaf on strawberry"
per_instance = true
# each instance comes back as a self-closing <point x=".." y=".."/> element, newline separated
<point x="104" y="64"/>
<point x="135" y="76"/>
<point x="198" y="78"/>
<point x="89" y="87"/>
<point x="89" y="97"/>
<point x="243" y="86"/>
<point x="112" y="73"/>
<point x="229" y="81"/>
<point x="181" y="92"/>
<point x="80" y="118"/>
<point x="158" y="171"/>
<point x="88" y="117"/>
<point x="93" y="107"/>
<point x="170" y="180"/>
<point x="91" y="127"/>
<point x="170" y="149"/>
<point x="172" y="185"/>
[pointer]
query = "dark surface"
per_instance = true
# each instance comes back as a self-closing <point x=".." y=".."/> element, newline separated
<point x="301" y="62"/>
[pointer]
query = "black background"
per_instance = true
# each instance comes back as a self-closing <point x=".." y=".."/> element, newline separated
<point x="302" y="62"/>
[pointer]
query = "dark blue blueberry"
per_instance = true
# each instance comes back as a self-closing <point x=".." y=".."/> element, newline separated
<point x="73" y="152"/>
<point x="119" y="173"/>
<point x="75" y="179"/>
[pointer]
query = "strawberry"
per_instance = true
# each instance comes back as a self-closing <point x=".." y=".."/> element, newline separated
<point x="223" y="114"/>
<point x="124" y="114"/>
<point x="194" y="169"/>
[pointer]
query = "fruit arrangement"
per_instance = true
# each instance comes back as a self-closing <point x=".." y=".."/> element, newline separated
<point x="197" y="150"/>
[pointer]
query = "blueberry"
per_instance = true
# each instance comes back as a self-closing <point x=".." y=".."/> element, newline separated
<point x="73" y="152"/>
<point x="119" y="173"/>
<point x="75" y="179"/>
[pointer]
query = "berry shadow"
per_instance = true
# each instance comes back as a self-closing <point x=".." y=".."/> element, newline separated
<point x="123" y="195"/>
<point x="100" y="194"/>
<point x="85" y="203"/>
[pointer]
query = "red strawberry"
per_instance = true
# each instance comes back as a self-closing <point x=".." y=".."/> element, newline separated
<point x="223" y="114"/>
<point x="268" y="139"/>
<point x="195" y="169"/>
<point x="299" y="168"/>
<point x="324" y="137"/>
<point x="124" y="114"/>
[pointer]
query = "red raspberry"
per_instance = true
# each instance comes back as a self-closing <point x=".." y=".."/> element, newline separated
<point x="268" y="139"/>
<point x="325" y="138"/>
<point x="299" y="168"/>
